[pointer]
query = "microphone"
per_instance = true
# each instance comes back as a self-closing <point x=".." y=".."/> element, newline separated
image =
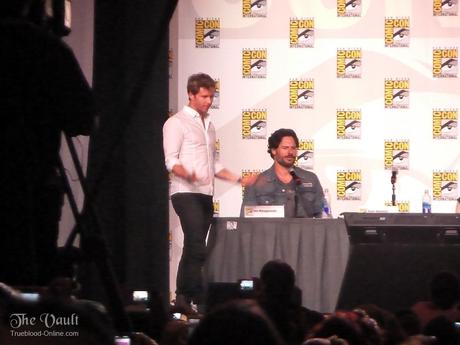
<point x="295" y="178"/>
<point x="305" y="205"/>
<point x="394" y="174"/>
<point x="297" y="182"/>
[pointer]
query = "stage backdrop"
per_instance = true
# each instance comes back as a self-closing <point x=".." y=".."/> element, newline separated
<point x="370" y="87"/>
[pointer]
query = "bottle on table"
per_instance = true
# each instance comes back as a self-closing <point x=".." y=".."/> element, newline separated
<point x="426" y="202"/>
<point x="327" y="213"/>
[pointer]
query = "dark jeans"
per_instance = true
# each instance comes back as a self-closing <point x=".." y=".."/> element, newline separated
<point x="195" y="212"/>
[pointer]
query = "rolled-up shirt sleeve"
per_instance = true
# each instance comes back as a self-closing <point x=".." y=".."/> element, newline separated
<point x="173" y="137"/>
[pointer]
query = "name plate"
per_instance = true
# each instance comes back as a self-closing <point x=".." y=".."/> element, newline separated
<point x="264" y="211"/>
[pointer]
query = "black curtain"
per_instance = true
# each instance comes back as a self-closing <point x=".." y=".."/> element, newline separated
<point x="128" y="181"/>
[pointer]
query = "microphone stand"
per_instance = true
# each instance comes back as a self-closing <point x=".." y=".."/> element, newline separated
<point x="297" y="182"/>
<point x="393" y="188"/>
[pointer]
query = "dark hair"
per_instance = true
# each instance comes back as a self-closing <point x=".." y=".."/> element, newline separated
<point x="234" y="324"/>
<point x="277" y="136"/>
<point x="342" y="328"/>
<point x="195" y="81"/>
<point x="277" y="277"/>
<point x="445" y="289"/>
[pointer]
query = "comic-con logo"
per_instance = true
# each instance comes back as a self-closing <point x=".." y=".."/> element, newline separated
<point x="254" y="63"/>
<point x="445" y="123"/>
<point x="397" y="32"/>
<point x="348" y="8"/>
<point x="301" y="93"/>
<point x="301" y="33"/>
<point x="207" y="33"/>
<point x="403" y="206"/>
<point x="396" y="156"/>
<point x="445" y="62"/>
<point x="254" y="123"/>
<point x="216" y="101"/>
<point x="247" y="173"/>
<point x="305" y="154"/>
<point x="348" y="63"/>
<point x="445" y="7"/>
<point x="216" y="207"/>
<point x="349" y="185"/>
<point x="254" y="8"/>
<point x="217" y="149"/>
<point x="348" y="124"/>
<point x="397" y="93"/>
<point x="445" y="185"/>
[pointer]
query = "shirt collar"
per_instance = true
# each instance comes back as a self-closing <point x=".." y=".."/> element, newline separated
<point x="271" y="172"/>
<point x="192" y="112"/>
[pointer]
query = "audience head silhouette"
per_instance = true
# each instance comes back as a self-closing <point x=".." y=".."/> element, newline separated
<point x="234" y="324"/>
<point x="445" y="290"/>
<point x="277" y="278"/>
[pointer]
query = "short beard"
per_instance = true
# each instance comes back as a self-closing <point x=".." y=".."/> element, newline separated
<point x="285" y="164"/>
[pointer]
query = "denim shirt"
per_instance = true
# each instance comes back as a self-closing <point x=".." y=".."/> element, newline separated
<point x="301" y="199"/>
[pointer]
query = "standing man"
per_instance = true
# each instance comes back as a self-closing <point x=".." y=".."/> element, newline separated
<point x="285" y="184"/>
<point x="189" y="141"/>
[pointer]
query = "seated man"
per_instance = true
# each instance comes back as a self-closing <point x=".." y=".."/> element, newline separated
<point x="285" y="184"/>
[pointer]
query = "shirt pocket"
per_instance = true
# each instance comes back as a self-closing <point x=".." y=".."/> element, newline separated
<point x="307" y="193"/>
<point x="270" y="195"/>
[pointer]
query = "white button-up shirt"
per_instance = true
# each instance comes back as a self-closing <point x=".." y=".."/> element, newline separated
<point x="187" y="142"/>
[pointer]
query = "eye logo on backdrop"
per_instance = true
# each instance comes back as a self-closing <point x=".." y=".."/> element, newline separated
<point x="445" y="123"/>
<point x="348" y="124"/>
<point x="397" y="32"/>
<point x="254" y="123"/>
<point x="301" y="93"/>
<point x="301" y="32"/>
<point x="396" y="93"/>
<point x="254" y="63"/>
<point x="403" y="206"/>
<point x="207" y="33"/>
<point x="348" y="8"/>
<point x="216" y="101"/>
<point x="349" y="185"/>
<point x="348" y="63"/>
<point x="445" y="7"/>
<point x="445" y="62"/>
<point x="445" y="185"/>
<point x="305" y="155"/>
<point x="254" y="8"/>
<point x="396" y="155"/>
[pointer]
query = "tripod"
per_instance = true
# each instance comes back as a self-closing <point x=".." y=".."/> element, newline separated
<point x="95" y="246"/>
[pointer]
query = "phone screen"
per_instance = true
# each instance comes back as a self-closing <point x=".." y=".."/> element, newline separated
<point x="30" y="296"/>
<point x="246" y="284"/>
<point x="140" y="296"/>
<point x="122" y="340"/>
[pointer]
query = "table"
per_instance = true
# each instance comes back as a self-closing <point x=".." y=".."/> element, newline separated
<point x="317" y="249"/>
